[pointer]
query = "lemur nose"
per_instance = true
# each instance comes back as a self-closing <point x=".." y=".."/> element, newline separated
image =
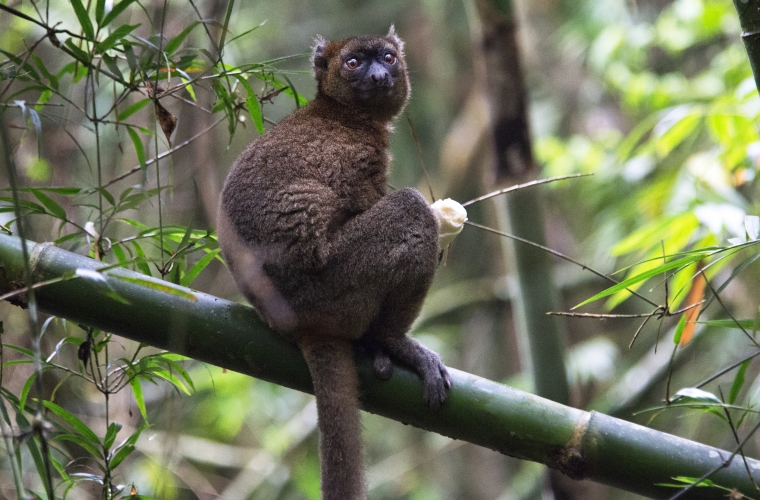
<point x="379" y="75"/>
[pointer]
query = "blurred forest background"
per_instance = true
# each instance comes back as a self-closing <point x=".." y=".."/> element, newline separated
<point x="655" y="98"/>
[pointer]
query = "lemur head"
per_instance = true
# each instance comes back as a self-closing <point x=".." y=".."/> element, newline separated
<point x="367" y="72"/>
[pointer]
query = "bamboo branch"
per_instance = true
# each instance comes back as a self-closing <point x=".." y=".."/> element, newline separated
<point x="580" y="444"/>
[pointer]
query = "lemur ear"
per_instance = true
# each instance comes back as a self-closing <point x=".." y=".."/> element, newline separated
<point x="318" y="59"/>
<point x="392" y="35"/>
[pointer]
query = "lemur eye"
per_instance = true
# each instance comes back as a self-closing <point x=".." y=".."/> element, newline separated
<point x="352" y="63"/>
<point x="389" y="58"/>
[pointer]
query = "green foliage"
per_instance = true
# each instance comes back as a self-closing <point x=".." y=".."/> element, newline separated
<point x="114" y="73"/>
<point x="683" y="173"/>
<point x="674" y="196"/>
<point x="104" y="452"/>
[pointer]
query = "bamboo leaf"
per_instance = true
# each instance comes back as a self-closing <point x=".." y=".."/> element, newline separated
<point x="129" y="53"/>
<point x="697" y="395"/>
<point x="738" y="382"/>
<point x="120" y="455"/>
<point x="26" y="205"/>
<point x="125" y="193"/>
<point x="112" y="39"/>
<point x="18" y="362"/>
<point x="117" y="9"/>
<point x="44" y="98"/>
<point x="67" y="340"/>
<point x="173" y="356"/>
<point x="139" y="149"/>
<point x="679" y="330"/>
<point x="247" y="32"/>
<point x="651" y="235"/>
<point x="746" y="324"/>
<point x="199" y="266"/>
<point x="39" y="463"/>
<point x="676" y="133"/>
<point x="53" y="208"/>
<point x="100" y="10"/>
<point x="21" y="64"/>
<point x="688" y="480"/>
<point x="684" y="261"/>
<point x="225" y="27"/>
<point x="22" y="350"/>
<point x="92" y="449"/>
<point x="189" y="88"/>
<point x="118" y="252"/>
<point x="113" y="430"/>
<point x="111" y="63"/>
<point x="133" y="108"/>
<point x="84" y="19"/>
<point x="186" y="236"/>
<point x="132" y="201"/>
<point x="752" y="225"/>
<point x="126" y="447"/>
<point x="88" y="477"/>
<point x="22" y="397"/>
<point x="107" y="195"/>
<point x="134" y="382"/>
<point x="143" y="259"/>
<point x="78" y="53"/>
<point x="170" y="377"/>
<point x="173" y="44"/>
<point x="252" y="103"/>
<point x="134" y="223"/>
<point x="74" y="422"/>
<point x="176" y="367"/>
<point x="65" y="191"/>
<point x="61" y="470"/>
<point x="52" y="79"/>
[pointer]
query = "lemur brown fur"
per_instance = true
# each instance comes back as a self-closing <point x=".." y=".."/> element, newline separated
<point x="324" y="254"/>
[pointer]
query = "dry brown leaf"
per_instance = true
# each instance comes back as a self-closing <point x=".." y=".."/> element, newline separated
<point x="166" y="119"/>
<point x="696" y="294"/>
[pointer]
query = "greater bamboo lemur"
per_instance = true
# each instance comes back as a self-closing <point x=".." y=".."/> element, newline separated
<point x="324" y="254"/>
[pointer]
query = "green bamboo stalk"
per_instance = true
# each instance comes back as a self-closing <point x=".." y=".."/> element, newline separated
<point x="522" y="212"/>
<point x="749" y="18"/>
<point x="582" y="445"/>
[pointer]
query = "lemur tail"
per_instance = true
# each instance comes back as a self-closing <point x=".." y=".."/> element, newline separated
<point x="333" y="371"/>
